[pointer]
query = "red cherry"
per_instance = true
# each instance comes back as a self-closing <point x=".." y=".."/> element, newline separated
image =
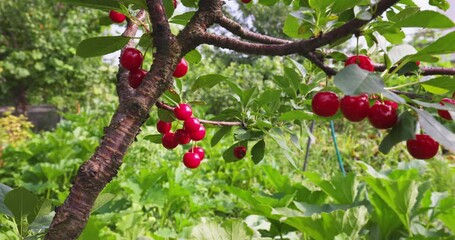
<point x="199" y="134"/>
<point x="382" y="116"/>
<point x="131" y="59"/>
<point x="199" y="151"/>
<point x="169" y="140"/>
<point x="418" y="63"/>
<point x="163" y="127"/>
<point x="182" y="137"/>
<point x="175" y="4"/>
<point x="422" y="147"/>
<point x="246" y="1"/>
<point x="363" y="61"/>
<point x="325" y="104"/>
<point x="444" y="113"/>
<point x="239" y="152"/>
<point x="355" y="108"/>
<point x="393" y="104"/>
<point x="192" y="124"/>
<point x="116" y="16"/>
<point x="181" y="69"/>
<point x="183" y="111"/>
<point x="135" y="77"/>
<point x="191" y="160"/>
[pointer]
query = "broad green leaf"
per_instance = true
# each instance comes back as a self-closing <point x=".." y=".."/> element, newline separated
<point x="182" y="19"/>
<point x="21" y="202"/>
<point x="432" y="20"/>
<point x="99" y="46"/>
<point x="342" y="189"/>
<point x="320" y="5"/>
<point x="441" y="4"/>
<point x="353" y="80"/>
<point x="399" y="52"/>
<point x="258" y="151"/>
<point x="384" y="216"/>
<point x="342" y="5"/>
<point x="169" y="7"/>
<point x="446" y="208"/>
<point x="228" y="154"/>
<point x="172" y="97"/>
<point x="232" y="229"/>
<point x="247" y="96"/>
<point x="207" y="81"/>
<point x="4" y="189"/>
<point x="443" y="45"/>
<point x="436" y="130"/>
<point x="250" y="135"/>
<point x="403" y="14"/>
<point x="154" y="138"/>
<point x="102" y="200"/>
<point x="43" y="216"/>
<point x="402" y="131"/>
<point x="98" y="4"/>
<point x="448" y="107"/>
<point x="269" y="96"/>
<point x="444" y="82"/>
<point x="219" y="135"/>
<point x="193" y="56"/>
<point x="292" y="27"/>
<point x="165" y="115"/>
<point x="146" y="40"/>
<point x="297" y="115"/>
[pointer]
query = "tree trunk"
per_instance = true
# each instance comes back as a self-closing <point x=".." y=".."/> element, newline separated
<point x="19" y="94"/>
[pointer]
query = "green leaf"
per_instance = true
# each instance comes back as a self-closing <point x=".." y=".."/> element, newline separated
<point x="443" y="45"/>
<point x="154" y="138"/>
<point x="320" y="5"/>
<point x="257" y="152"/>
<point x="98" y="4"/>
<point x="193" y="57"/>
<point x="42" y="217"/>
<point x="342" y="5"/>
<point x="432" y="20"/>
<point x="232" y="229"/>
<point x="383" y="216"/>
<point x="4" y="189"/>
<point x="207" y="81"/>
<point x="99" y="46"/>
<point x="436" y="130"/>
<point x="342" y="189"/>
<point x="444" y="82"/>
<point x="353" y="80"/>
<point x="441" y="4"/>
<point x="402" y="131"/>
<point x="182" y="19"/>
<point x="169" y="7"/>
<point x="102" y="200"/>
<point x="21" y="202"/>
<point x="292" y="28"/>
<point x="397" y="53"/>
<point x="146" y="40"/>
<point x="247" y="96"/>
<point x="172" y="97"/>
<point x="296" y="115"/>
<point x="219" y="135"/>
<point x="165" y="115"/>
<point x="228" y="154"/>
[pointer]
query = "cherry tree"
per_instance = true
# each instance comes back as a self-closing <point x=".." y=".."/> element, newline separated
<point x="315" y="31"/>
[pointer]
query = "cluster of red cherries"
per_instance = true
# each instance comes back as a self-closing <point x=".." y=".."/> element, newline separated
<point x="132" y="59"/>
<point x="382" y="115"/>
<point x="192" y="130"/>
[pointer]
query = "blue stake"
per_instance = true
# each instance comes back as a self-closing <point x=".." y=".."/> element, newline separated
<point x="340" y="161"/>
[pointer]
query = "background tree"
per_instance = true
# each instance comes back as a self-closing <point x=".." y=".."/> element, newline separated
<point x="37" y="53"/>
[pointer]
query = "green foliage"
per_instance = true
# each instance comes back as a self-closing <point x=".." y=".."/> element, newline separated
<point x="13" y="129"/>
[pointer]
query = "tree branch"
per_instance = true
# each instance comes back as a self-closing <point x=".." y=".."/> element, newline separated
<point x="163" y="105"/>
<point x="244" y="33"/>
<point x="301" y="47"/>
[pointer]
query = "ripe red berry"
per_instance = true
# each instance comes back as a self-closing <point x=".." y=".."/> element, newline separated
<point x="199" y="151"/>
<point x="131" y="59"/>
<point x="246" y="1"/>
<point x="192" y="124"/>
<point x="163" y="127"/>
<point x="355" y="108"/>
<point x="169" y="140"/>
<point x="191" y="160"/>
<point x="175" y="4"/>
<point x="239" y="152"/>
<point x="382" y="115"/>
<point x="181" y="69"/>
<point x="325" y="104"/>
<point x="393" y="104"/>
<point x="183" y="111"/>
<point x="199" y="134"/>
<point x="363" y="61"/>
<point x="422" y="147"/>
<point x="135" y="77"/>
<point x="116" y="16"/>
<point x="182" y="137"/>
<point x="418" y="63"/>
<point x="444" y="113"/>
